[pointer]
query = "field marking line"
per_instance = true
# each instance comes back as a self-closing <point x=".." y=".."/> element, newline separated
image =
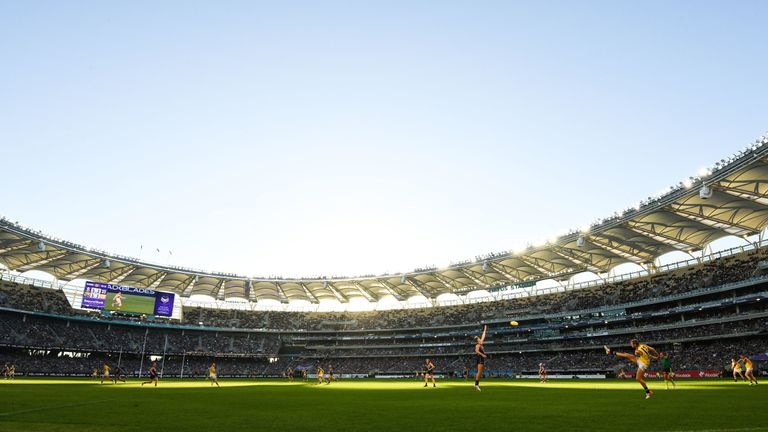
<point x="10" y="413"/>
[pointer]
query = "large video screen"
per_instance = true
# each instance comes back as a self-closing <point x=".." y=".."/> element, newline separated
<point x="98" y="295"/>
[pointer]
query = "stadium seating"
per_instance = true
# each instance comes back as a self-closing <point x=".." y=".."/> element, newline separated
<point x="704" y="315"/>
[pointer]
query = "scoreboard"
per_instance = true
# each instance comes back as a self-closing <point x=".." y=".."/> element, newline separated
<point x="111" y="297"/>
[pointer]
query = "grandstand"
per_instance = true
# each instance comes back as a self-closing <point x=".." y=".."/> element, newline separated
<point x="703" y="310"/>
<point x="703" y="313"/>
<point x="728" y="199"/>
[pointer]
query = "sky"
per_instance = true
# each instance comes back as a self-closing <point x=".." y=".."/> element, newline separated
<point x="345" y="138"/>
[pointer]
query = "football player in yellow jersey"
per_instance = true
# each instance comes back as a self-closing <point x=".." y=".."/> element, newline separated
<point x="736" y="367"/>
<point x="104" y="373"/>
<point x="320" y="374"/>
<point x="748" y="366"/>
<point x="212" y="375"/>
<point x="643" y="356"/>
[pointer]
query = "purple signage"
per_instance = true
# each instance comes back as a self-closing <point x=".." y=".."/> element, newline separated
<point x="94" y="295"/>
<point x="164" y="304"/>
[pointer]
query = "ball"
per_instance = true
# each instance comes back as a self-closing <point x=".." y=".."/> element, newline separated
<point x="514" y="323"/>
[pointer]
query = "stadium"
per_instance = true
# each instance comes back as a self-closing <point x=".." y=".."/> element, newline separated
<point x="654" y="316"/>
<point x="704" y="311"/>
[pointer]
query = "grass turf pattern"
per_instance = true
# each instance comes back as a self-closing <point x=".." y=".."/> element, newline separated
<point x="381" y="405"/>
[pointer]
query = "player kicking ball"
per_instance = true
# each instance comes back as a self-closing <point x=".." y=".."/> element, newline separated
<point x="643" y="355"/>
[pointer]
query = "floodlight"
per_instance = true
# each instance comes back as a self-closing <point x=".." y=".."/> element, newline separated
<point x="705" y="192"/>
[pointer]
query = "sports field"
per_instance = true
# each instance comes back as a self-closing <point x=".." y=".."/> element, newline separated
<point x="132" y="303"/>
<point x="82" y="405"/>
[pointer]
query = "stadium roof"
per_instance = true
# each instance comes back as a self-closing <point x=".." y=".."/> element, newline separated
<point x="685" y="218"/>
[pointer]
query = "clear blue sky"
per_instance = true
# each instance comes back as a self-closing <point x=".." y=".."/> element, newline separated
<point x="303" y="138"/>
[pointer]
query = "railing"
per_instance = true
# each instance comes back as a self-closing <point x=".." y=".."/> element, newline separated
<point x="10" y="277"/>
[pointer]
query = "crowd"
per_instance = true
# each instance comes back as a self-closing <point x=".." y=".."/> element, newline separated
<point x="22" y="297"/>
<point x="570" y="342"/>
<point x="702" y="331"/>
<point x="704" y="355"/>
<point x="713" y="273"/>
<point x="32" y="331"/>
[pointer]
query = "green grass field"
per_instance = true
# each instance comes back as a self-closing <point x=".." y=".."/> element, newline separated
<point x="132" y="303"/>
<point x="192" y="405"/>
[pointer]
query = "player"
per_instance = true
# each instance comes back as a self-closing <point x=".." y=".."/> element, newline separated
<point x="542" y="373"/>
<point x="666" y="371"/>
<point x="152" y="375"/>
<point x="212" y="375"/>
<point x="622" y="373"/>
<point x="330" y="374"/>
<point x="289" y="373"/>
<point x="480" y="356"/>
<point x="105" y="373"/>
<point x="320" y="374"/>
<point x="95" y="374"/>
<point x="736" y="366"/>
<point x="304" y="374"/>
<point x="643" y="355"/>
<point x="118" y="375"/>
<point x="12" y="371"/>
<point x="429" y="373"/>
<point x="5" y="371"/>
<point x="117" y="301"/>
<point x="748" y="366"/>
